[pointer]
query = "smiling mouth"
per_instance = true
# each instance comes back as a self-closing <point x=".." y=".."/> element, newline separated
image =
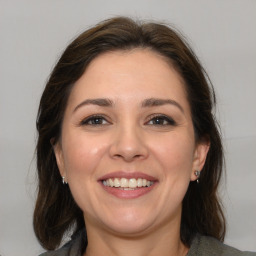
<point x="127" y="184"/>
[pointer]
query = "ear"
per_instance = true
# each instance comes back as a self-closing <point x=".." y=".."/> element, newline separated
<point x="59" y="158"/>
<point x="200" y="155"/>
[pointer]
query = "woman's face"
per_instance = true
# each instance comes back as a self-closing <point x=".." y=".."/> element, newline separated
<point x="127" y="148"/>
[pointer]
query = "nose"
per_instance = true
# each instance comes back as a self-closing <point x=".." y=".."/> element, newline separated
<point x="128" y="144"/>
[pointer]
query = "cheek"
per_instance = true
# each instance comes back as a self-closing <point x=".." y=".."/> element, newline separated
<point x="82" y="157"/>
<point x="175" y="153"/>
<point x="82" y="154"/>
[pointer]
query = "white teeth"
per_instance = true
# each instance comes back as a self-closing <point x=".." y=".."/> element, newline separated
<point x="127" y="184"/>
<point x="132" y="183"/>
<point x="124" y="183"/>
<point x="110" y="182"/>
<point x="116" y="183"/>
<point x="139" y="183"/>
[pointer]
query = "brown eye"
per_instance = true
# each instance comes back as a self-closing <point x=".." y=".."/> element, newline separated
<point x="95" y="121"/>
<point x="161" y="120"/>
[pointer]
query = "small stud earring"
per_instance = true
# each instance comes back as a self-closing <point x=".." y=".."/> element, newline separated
<point x="63" y="180"/>
<point x="197" y="173"/>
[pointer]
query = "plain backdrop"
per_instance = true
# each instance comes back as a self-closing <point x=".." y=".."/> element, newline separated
<point x="34" y="33"/>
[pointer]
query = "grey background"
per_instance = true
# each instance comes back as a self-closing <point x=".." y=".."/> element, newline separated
<point x="34" y="33"/>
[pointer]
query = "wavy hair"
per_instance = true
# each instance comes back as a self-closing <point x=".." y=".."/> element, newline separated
<point x="56" y="212"/>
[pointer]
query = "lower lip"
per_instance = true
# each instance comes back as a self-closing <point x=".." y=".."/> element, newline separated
<point x="128" y="194"/>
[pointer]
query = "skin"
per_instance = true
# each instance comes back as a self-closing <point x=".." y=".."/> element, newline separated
<point x="129" y="137"/>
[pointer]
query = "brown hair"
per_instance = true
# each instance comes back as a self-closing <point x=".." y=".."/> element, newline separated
<point x="56" y="211"/>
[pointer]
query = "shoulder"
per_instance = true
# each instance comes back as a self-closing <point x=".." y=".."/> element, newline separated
<point x="209" y="246"/>
<point x="63" y="251"/>
<point x="72" y="248"/>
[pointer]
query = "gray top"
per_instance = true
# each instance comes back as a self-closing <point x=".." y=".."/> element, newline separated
<point x="201" y="246"/>
<point x="209" y="246"/>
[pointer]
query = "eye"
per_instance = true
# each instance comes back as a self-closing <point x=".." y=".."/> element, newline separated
<point x="161" y="120"/>
<point x="96" y="120"/>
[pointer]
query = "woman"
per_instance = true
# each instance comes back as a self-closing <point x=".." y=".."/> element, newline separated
<point x="129" y="157"/>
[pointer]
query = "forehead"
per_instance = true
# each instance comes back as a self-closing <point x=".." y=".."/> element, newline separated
<point x="143" y="60"/>
<point x="137" y="73"/>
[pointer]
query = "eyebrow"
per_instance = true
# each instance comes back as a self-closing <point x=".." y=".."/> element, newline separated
<point x="152" y="102"/>
<point x="102" y="102"/>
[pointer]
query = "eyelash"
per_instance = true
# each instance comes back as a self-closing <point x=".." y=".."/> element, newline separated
<point x="164" y="120"/>
<point x="94" y="118"/>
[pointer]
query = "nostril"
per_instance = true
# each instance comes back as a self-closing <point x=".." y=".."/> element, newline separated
<point x="128" y="157"/>
<point x="128" y="147"/>
<point x="118" y="156"/>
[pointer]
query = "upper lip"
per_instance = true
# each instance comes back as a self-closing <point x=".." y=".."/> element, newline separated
<point x="127" y="175"/>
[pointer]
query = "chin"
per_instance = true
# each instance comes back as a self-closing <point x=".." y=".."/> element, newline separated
<point x="128" y="223"/>
<point x="129" y="229"/>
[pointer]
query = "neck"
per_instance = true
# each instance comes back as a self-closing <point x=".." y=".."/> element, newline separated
<point x="164" y="241"/>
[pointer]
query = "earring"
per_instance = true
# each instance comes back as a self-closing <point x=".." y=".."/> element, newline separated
<point x="63" y="180"/>
<point x="197" y="173"/>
